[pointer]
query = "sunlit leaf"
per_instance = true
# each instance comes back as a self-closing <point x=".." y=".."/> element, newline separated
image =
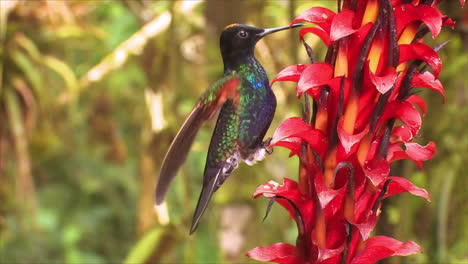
<point x="64" y="71"/>
<point x="145" y="247"/>
<point x="29" y="69"/>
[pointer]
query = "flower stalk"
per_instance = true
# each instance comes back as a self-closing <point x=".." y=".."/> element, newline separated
<point x="363" y="118"/>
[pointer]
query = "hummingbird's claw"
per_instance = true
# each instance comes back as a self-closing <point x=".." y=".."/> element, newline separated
<point x="267" y="147"/>
<point x="259" y="153"/>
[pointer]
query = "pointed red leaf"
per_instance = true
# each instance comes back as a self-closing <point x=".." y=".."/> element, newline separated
<point x="376" y="170"/>
<point x="272" y="188"/>
<point x="288" y="190"/>
<point x="462" y="2"/>
<point x="422" y="52"/>
<point x="449" y="22"/>
<point x="328" y="253"/>
<point x="380" y="247"/>
<point x="358" y="38"/>
<point x="314" y="75"/>
<point x="414" y="151"/>
<point x="291" y="73"/>
<point x="291" y="133"/>
<point x="420" y="153"/>
<point x="385" y="82"/>
<point x="323" y="35"/>
<point x="395" y="152"/>
<point x="279" y="253"/>
<point x="428" y="80"/>
<point x="364" y="199"/>
<point x="293" y="144"/>
<point x="401" y="185"/>
<point x="317" y="140"/>
<point x="320" y="16"/>
<point x="347" y="140"/>
<point x="290" y="127"/>
<point x="401" y="133"/>
<point x="430" y="16"/>
<point x="324" y="193"/>
<point x="404" y="111"/>
<point x="366" y="227"/>
<point x="416" y="100"/>
<point x="335" y="236"/>
<point x="342" y="25"/>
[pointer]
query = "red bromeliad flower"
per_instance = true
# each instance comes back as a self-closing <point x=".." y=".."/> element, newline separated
<point x="364" y="118"/>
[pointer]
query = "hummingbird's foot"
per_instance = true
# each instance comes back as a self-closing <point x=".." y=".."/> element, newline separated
<point x="267" y="147"/>
<point x="260" y="153"/>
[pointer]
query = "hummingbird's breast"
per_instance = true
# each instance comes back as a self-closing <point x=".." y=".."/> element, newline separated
<point x="256" y="106"/>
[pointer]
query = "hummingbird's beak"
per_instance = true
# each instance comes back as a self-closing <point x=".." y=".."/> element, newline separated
<point x="268" y="31"/>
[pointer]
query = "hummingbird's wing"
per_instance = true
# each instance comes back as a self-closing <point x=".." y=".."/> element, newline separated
<point x="206" y="108"/>
<point x="222" y="158"/>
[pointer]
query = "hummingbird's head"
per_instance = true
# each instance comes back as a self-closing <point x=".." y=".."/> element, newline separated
<point x="238" y="41"/>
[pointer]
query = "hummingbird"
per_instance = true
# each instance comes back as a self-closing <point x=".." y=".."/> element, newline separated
<point x="246" y="105"/>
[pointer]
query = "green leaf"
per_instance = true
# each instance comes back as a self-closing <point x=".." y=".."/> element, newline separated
<point x="64" y="71"/>
<point x="29" y="69"/>
<point x="143" y="249"/>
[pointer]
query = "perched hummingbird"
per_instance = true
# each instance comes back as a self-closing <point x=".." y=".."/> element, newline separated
<point x="247" y="106"/>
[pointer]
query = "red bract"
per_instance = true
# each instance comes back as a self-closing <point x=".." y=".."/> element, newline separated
<point x="314" y="76"/>
<point x="427" y="80"/>
<point x="376" y="59"/>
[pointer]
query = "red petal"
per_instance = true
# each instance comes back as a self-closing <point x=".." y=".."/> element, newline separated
<point x="395" y="152"/>
<point x="289" y="128"/>
<point x="416" y="100"/>
<point x="449" y="22"/>
<point x="289" y="190"/>
<point x="427" y="80"/>
<point x="401" y="133"/>
<point x="430" y="16"/>
<point x="291" y="73"/>
<point x="420" y="153"/>
<point x="376" y="170"/>
<point x="291" y="133"/>
<point x="280" y="253"/>
<point x="385" y="82"/>
<point x="401" y="185"/>
<point x="366" y="227"/>
<point x="342" y="25"/>
<point x="414" y="151"/>
<point x="404" y="111"/>
<point x="462" y="2"/>
<point x="422" y="52"/>
<point x="293" y="144"/>
<point x="271" y="188"/>
<point x="324" y="194"/>
<point x="318" y="15"/>
<point x="362" y="205"/>
<point x="314" y="75"/>
<point x="326" y="253"/>
<point x="318" y="32"/>
<point x="380" y="247"/>
<point x="348" y="140"/>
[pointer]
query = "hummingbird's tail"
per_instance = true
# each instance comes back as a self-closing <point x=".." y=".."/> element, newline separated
<point x="216" y="177"/>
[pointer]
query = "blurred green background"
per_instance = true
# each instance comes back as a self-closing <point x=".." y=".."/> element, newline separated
<point x="92" y="92"/>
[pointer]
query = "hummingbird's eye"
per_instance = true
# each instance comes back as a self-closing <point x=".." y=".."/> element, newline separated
<point x="242" y="34"/>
